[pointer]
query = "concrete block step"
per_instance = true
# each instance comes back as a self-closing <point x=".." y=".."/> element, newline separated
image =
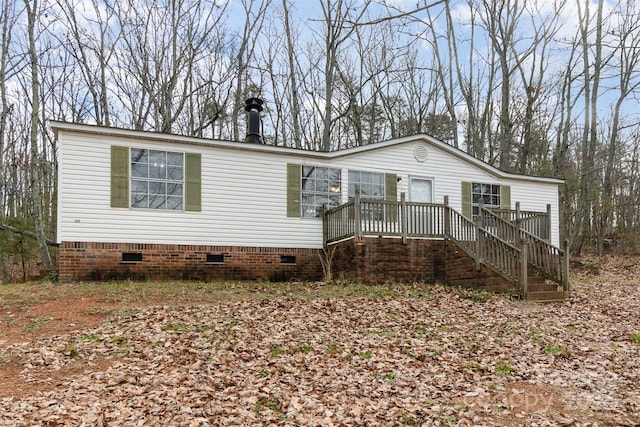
<point x="542" y="287"/>
<point x="546" y="296"/>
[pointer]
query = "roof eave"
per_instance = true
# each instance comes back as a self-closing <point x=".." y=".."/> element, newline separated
<point x="156" y="136"/>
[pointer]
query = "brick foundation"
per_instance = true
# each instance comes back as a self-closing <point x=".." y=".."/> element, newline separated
<point x="365" y="260"/>
<point x="462" y="270"/>
<point x="80" y="261"/>
<point x="382" y="260"/>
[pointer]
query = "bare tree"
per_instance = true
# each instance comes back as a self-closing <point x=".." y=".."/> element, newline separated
<point x="444" y="69"/>
<point x="91" y="41"/>
<point x="501" y="19"/>
<point x="534" y="145"/>
<point x="476" y="80"/>
<point x="626" y="66"/>
<point x="336" y="17"/>
<point x="32" y="11"/>
<point x="254" y="19"/>
<point x="293" y="76"/>
<point x="589" y="136"/>
<point x="162" y="44"/>
<point x="7" y="19"/>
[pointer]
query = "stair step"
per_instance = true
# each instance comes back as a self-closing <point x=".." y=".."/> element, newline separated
<point x="546" y="296"/>
<point x="537" y="282"/>
<point x="542" y="287"/>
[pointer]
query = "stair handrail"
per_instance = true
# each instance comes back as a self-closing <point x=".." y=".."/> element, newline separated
<point x="535" y="222"/>
<point x="542" y="255"/>
<point x="485" y="247"/>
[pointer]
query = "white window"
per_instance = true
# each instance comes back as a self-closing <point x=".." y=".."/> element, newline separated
<point x="320" y="186"/>
<point x="489" y="194"/>
<point x="157" y="179"/>
<point x="369" y="184"/>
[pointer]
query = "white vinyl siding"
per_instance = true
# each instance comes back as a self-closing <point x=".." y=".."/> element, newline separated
<point x="448" y="173"/>
<point x="241" y="206"/>
<point x="244" y="191"/>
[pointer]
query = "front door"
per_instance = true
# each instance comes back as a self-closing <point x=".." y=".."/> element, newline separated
<point x="419" y="217"/>
<point x="420" y="190"/>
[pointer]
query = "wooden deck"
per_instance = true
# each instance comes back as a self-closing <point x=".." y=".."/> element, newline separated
<point x="514" y="244"/>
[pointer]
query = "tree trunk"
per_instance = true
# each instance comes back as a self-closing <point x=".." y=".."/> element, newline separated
<point x="293" y="90"/>
<point x="629" y="60"/>
<point x="34" y="165"/>
<point x="590" y="133"/>
<point x="4" y="113"/>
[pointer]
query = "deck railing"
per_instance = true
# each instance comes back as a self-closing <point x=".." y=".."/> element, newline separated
<point x="494" y="239"/>
<point x="536" y="223"/>
<point x="378" y="217"/>
<point x="338" y="223"/>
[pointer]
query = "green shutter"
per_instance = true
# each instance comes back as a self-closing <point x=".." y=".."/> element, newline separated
<point x="119" y="177"/>
<point x="505" y="197"/>
<point x="294" y="178"/>
<point x="193" y="182"/>
<point x="391" y="187"/>
<point x="467" y="210"/>
<point x="391" y="195"/>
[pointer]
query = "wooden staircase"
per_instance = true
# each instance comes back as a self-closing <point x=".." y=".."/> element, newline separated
<point x="514" y="244"/>
<point x="538" y="269"/>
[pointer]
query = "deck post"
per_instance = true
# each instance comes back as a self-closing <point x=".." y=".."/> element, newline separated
<point x="565" y="269"/>
<point x="518" y="223"/>
<point x="357" y="229"/>
<point x="479" y="236"/>
<point x="447" y="218"/>
<point x="524" y="266"/>
<point x="548" y="224"/>
<point x="325" y="225"/>
<point x="403" y="218"/>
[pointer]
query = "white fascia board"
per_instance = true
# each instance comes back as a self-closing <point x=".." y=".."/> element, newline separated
<point x="164" y="137"/>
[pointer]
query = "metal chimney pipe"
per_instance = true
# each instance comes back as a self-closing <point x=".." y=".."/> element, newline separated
<point x="253" y="106"/>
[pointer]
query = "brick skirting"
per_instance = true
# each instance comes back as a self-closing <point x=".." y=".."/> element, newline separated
<point x="80" y="261"/>
<point x="365" y="260"/>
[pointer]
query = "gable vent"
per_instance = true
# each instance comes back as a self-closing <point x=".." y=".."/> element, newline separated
<point x="420" y="152"/>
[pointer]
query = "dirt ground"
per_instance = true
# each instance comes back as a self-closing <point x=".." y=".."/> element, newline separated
<point x="92" y="354"/>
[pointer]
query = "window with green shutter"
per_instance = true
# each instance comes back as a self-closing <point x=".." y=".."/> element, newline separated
<point x="489" y="195"/>
<point x="320" y="186"/>
<point x="309" y="188"/>
<point x="155" y="179"/>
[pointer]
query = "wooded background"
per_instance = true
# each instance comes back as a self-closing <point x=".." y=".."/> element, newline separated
<point x="547" y="88"/>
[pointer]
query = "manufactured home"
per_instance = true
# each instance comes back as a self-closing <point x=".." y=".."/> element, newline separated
<point x="145" y="205"/>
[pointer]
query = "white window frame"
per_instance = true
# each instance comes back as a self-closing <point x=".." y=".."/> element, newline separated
<point x="489" y="197"/>
<point x="320" y="185"/>
<point x="164" y="189"/>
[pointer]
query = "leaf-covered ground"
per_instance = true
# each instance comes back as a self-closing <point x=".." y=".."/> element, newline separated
<point x="399" y="355"/>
